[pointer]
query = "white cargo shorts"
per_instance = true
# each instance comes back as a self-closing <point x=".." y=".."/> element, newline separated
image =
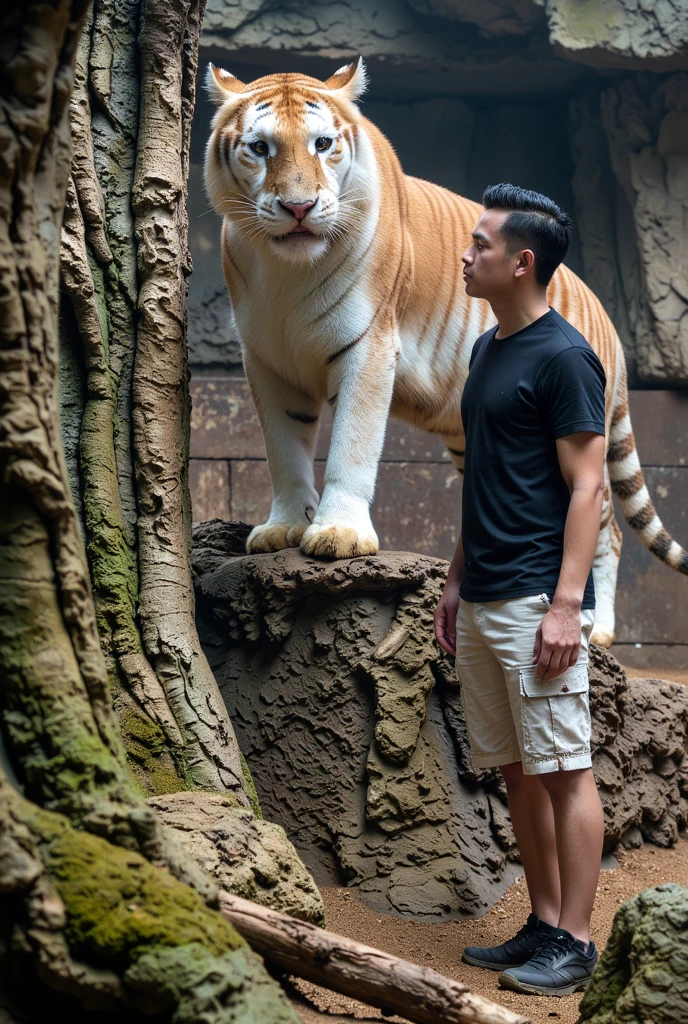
<point x="510" y="715"/>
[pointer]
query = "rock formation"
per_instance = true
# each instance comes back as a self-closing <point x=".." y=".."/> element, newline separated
<point x="642" y="976"/>
<point x="630" y="147"/>
<point x="351" y="720"/>
<point x="243" y="854"/>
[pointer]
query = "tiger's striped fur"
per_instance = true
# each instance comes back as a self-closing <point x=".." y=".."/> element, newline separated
<point x="367" y="310"/>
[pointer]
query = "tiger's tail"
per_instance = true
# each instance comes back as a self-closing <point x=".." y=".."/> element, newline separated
<point x="628" y="483"/>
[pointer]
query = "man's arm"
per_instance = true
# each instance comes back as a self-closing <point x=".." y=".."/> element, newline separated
<point x="448" y="607"/>
<point x="581" y="460"/>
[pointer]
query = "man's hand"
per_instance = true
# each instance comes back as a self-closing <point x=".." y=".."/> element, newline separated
<point x="445" y="618"/>
<point x="557" y="641"/>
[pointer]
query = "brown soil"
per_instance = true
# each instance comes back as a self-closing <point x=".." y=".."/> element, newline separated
<point x="439" y="945"/>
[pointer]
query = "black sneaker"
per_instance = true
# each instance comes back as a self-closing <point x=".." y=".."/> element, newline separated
<point x="560" y="967"/>
<point x="513" y="952"/>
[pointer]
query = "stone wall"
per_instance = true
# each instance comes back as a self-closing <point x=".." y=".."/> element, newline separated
<point x="418" y="500"/>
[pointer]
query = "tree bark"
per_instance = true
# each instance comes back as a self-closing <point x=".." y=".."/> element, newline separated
<point x="379" y="979"/>
<point x="95" y="909"/>
<point x="125" y="264"/>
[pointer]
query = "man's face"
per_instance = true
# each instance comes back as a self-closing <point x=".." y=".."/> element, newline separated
<point x="488" y="272"/>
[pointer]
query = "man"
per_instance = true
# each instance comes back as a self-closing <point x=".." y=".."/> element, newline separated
<point x="518" y="606"/>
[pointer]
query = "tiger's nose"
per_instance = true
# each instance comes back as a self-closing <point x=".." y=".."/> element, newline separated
<point x="298" y="209"/>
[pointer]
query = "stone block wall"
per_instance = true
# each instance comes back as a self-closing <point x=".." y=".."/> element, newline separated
<point x="418" y="499"/>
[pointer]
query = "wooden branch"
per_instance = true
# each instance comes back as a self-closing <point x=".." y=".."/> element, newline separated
<point x="379" y="979"/>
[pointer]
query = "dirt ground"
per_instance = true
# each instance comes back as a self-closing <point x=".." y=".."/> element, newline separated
<point x="439" y="945"/>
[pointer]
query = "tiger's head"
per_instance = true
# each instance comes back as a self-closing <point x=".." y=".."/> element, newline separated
<point x="281" y="158"/>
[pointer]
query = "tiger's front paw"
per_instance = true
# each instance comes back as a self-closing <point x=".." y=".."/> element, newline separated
<point x="601" y="636"/>
<point x="338" y="542"/>
<point x="273" y="537"/>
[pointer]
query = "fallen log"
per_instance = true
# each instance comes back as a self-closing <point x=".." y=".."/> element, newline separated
<point x="362" y="972"/>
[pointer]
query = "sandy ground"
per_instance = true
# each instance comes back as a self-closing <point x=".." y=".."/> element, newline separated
<point x="439" y="945"/>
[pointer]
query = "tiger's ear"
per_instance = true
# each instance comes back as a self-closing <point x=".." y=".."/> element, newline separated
<point x="350" y="81"/>
<point x="222" y="85"/>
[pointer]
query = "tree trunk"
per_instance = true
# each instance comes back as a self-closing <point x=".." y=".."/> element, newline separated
<point x="125" y="263"/>
<point x="95" y="909"/>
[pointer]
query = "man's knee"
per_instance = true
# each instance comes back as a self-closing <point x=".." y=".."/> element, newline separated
<point x="561" y="784"/>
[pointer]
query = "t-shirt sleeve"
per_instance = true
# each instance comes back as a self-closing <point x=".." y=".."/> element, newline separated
<point x="571" y="388"/>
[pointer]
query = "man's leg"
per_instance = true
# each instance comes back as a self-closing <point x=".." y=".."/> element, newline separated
<point x="579" y="829"/>
<point x="533" y="822"/>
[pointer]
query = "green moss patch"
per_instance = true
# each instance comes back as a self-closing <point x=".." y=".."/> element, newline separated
<point x="119" y="906"/>
<point x="149" y="758"/>
<point x="250" y="788"/>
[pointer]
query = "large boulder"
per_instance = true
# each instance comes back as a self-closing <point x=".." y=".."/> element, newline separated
<point x="642" y="976"/>
<point x="351" y="721"/>
<point x="242" y="853"/>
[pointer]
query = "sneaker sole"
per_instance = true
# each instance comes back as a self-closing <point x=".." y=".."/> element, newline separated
<point x="490" y="965"/>
<point x="507" y="981"/>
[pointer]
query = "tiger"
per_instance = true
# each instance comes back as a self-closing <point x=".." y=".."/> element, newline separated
<point x="345" y="280"/>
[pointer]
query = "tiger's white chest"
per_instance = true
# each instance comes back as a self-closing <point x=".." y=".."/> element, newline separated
<point x="296" y="327"/>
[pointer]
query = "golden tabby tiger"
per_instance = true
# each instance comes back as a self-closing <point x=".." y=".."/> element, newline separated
<point x="345" y="280"/>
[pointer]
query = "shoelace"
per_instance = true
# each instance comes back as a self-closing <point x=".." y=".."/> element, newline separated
<point x="556" y="945"/>
<point x="523" y="934"/>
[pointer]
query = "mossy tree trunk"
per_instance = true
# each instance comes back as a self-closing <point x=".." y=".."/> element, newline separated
<point x="125" y="263"/>
<point x="99" y="910"/>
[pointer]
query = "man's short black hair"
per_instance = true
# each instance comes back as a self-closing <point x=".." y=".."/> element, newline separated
<point x="534" y="222"/>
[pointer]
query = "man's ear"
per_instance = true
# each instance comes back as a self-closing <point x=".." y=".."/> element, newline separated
<point x="350" y="81"/>
<point x="222" y="85"/>
<point x="526" y="262"/>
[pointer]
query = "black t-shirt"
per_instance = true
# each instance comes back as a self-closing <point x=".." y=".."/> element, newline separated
<point x="522" y="393"/>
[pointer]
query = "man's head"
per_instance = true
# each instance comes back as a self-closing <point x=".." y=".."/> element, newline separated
<point x="518" y="243"/>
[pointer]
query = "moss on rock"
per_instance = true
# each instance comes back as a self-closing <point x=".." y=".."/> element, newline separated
<point x="123" y="918"/>
<point x="250" y="787"/>
<point x="642" y="976"/>
<point x="119" y="906"/>
<point x="147" y="751"/>
<point x="234" y="988"/>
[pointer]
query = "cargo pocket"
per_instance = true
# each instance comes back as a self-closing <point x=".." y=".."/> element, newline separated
<point x="555" y="715"/>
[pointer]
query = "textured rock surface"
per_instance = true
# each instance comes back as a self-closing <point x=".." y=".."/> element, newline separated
<point x="493" y="17"/>
<point x="245" y="855"/>
<point x="620" y="33"/>
<point x="640" y="753"/>
<point x="630" y="149"/>
<point x="642" y="977"/>
<point x="213" y="339"/>
<point x="647" y="130"/>
<point x="604" y="225"/>
<point x="352" y="724"/>
<point x="602" y="33"/>
<point x="439" y="49"/>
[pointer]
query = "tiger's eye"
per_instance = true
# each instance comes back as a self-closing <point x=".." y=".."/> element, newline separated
<point x="259" y="147"/>
<point x="323" y="144"/>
